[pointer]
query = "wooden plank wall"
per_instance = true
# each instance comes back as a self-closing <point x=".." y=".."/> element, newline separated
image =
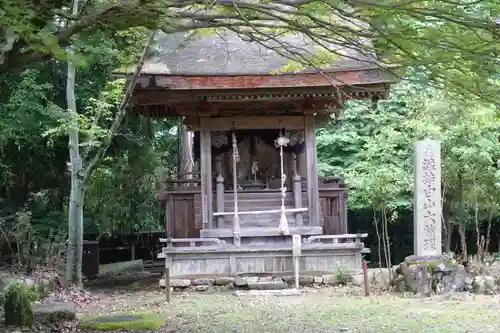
<point x="181" y="216"/>
<point x="184" y="218"/>
<point x="333" y="204"/>
<point x="232" y="264"/>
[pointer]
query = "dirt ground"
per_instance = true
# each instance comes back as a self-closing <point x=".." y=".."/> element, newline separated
<point x="322" y="310"/>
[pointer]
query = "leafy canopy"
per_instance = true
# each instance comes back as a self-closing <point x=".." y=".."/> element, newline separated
<point x="456" y="41"/>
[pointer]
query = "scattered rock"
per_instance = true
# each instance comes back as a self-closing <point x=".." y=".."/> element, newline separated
<point x="358" y="280"/>
<point x="265" y="279"/>
<point x="399" y="286"/>
<point x="28" y="281"/>
<point x="273" y="285"/>
<point x="424" y="274"/>
<point x="468" y="283"/>
<point x="252" y="279"/>
<point x="180" y="283"/>
<point x="450" y="277"/>
<point x="224" y="281"/>
<point x="241" y="282"/>
<point x="379" y="276"/>
<point x="163" y="284"/>
<point x="330" y="279"/>
<point x="483" y="284"/>
<point x="318" y="280"/>
<point x="53" y="312"/>
<point x="201" y="287"/>
<point x="303" y="280"/>
<point x="204" y="281"/>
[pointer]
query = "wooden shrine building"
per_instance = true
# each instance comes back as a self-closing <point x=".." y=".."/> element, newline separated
<point x="257" y="181"/>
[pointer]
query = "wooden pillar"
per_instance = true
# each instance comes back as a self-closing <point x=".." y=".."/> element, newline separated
<point x="206" y="171"/>
<point x="312" y="171"/>
<point x="301" y="164"/>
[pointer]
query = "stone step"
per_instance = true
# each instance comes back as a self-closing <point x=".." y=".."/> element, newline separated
<point x="271" y="285"/>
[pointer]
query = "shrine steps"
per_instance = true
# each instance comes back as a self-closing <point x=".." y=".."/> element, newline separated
<point x="261" y="201"/>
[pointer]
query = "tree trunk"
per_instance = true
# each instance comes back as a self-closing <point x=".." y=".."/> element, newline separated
<point x="185" y="153"/>
<point x="488" y="232"/>
<point x="379" y="242"/>
<point x="387" y="244"/>
<point x="447" y="226"/>
<point x="462" y="219"/>
<point x="81" y="175"/>
<point x="463" y="243"/>
<point x="75" y="223"/>
<point x="75" y="214"/>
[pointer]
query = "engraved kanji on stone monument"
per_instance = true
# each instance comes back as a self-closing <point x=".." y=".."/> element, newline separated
<point x="427" y="209"/>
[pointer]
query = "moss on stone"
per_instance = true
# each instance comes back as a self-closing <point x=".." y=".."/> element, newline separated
<point x="140" y="322"/>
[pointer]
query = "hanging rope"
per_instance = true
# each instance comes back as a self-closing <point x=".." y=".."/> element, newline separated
<point x="281" y="142"/>
<point x="236" y="218"/>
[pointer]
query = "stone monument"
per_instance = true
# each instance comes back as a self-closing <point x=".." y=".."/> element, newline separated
<point x="427" y="208"/>
<point x="429" y="270"/>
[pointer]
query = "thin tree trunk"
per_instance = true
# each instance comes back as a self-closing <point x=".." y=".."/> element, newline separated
<point x="185" y="153"/>
<point x="488" y="234"/>
<point x="379" y="248"/>
<point x="75" y="204"/>
<point x="384" y="243"/>
<point x="463" y="243"/>
<point x="463" y="220"/>
<point x="479" y="236"/>
<point x="387" y="244"/>
<point x="447" y="226"/>
<point x="75" y="214"/>
<point x="81" y="175"/>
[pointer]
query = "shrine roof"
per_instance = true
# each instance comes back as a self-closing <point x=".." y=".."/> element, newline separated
<point x="228" y="54"/>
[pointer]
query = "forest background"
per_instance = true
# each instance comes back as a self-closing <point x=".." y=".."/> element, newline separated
<point x="447" y="89"/>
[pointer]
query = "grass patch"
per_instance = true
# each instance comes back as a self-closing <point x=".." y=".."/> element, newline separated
<point x="321" y="313"/>
<point x="140" y="322"/>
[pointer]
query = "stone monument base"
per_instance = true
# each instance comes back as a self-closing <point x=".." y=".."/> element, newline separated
<point x="425" y="275"/>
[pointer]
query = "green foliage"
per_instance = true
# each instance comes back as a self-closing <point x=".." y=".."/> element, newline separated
<point x="342" y="276"/>
<point x="17" y="306"/>
<point x="373" y="148"/>
<point x="453" y="41"/>
<point x="131" y="178"/>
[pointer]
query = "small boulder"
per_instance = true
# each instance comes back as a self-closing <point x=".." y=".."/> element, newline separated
<point x="54" y="312"/>
<point x="180" y="283"/>
<point x="483" y="284"/>
<point x="265" y="279"/>
<point x="201" y="287"/>
<point x="330" y="279"/>
<point x="303" y="280"/>
<point x="424" y="274"/>
<point x="202" y="282"/>
<point x="224" y="281"/>
<point x="358" y="280"/>
<point x="273" y="285"/>
<point x="379" y="276"/>
<point x="252" y="279"/>
<point x="241" y="281"/>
